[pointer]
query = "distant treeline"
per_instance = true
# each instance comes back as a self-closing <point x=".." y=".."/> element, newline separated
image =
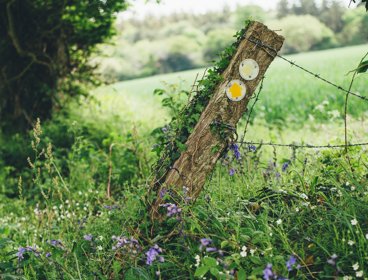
<point x="179" y="42"/>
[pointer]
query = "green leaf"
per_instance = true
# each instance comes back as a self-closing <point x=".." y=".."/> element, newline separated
<point x="241" y="274"/>
<point x="201" y="271"/>
<point x="255" y="260"/>
<point x="210" y="262"/>
<point x="363" y="67"/>
<point x="224" y="244"/>
<point x="214" y="271"/>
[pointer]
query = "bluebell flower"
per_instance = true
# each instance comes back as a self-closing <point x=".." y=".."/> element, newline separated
<point x="235" y="149"/>
<point x="252" y="148"/>
<point x="88" y="237"/>
<point x="48" y="254"/>
<point x="22" y="250"/>
<point x="56" y="243"/>
<point x="232" y="172"/>
<point x="20" y="253"/>
<point x="290" y="263"/>
<point x="172" y="209"/>
<point x="285" y="166"/>
<point x="153" y="253"/>
<point x="211" y="249"/>
<point x="205" y="242"/>
<point x="268" y="273"/>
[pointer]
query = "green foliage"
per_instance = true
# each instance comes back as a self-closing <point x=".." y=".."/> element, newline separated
<point x="303" y="33"/>
<point x="44" y="48"/>
<point x="217" y="41"/>
<point x="354" y="31"/>
<point x="262" y="215"/>
<point x="171" y="145"/>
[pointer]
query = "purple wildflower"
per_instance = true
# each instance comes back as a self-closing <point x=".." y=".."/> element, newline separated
<point x="205" y="242"/>
<point x="290" y="263"/>
<point x="285" y="166"/>
<point x="172" y="209"/>
<point x="56" y="243"/>
<point x="232" y="172"/>
<point x="130" y="245"/>
<point x="235" y="149"/>
<point x="153" y="253"/>
<point x="111" y="207"/>
<point x="163" y="192"/>
<point x="22" y="250"/>
<point x="252" y="148"/>
<point x="211" y="249"/>
<point x="267" y="272"/>
<point x="88" y="237"/>
<point x="19" y="254"/>
<point x="48" y="254"/>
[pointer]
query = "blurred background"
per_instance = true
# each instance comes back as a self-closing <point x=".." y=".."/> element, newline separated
<point x="155" y="38"/>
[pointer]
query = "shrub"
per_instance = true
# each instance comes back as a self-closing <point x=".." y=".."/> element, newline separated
<point x="303" y="33"/>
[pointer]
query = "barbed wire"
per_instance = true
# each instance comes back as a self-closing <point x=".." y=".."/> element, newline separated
<point x="302" y="146"/>
<point x="268" y="48"/>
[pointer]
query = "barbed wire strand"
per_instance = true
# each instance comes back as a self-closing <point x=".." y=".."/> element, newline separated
<point x="302" y="146"/>
<point x="261" y="44"/>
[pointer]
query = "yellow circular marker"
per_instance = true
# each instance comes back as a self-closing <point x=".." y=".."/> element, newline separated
<point x="249" y="69"/>
<point x="236" y="90"/>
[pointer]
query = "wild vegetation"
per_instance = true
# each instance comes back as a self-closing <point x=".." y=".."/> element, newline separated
<point x="73" y="190"/>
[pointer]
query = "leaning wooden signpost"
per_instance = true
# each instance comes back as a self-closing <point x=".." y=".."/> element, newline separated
<point x="256" y="50"/>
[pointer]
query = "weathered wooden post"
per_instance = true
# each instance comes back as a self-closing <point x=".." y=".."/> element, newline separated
<point x="247" y="67"/>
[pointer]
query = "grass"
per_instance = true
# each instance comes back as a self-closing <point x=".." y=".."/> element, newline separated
<point x="289" y="96"/>
<point x="304" y="213"/>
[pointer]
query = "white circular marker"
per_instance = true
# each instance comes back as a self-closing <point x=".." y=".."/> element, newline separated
<point x="236" y="90"/>
<point x="249" y="69"/>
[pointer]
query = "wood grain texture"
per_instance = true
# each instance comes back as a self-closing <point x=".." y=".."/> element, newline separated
<point x="198" y="161"/>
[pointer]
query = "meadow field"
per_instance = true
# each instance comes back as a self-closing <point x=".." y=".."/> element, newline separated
<point x="265" y="212"/>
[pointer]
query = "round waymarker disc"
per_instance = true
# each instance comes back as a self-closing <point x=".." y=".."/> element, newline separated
<point x="236" y="90"/>
<point x="249" y="69"/>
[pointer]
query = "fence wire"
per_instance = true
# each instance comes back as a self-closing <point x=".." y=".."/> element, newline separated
<point x="274" y="53"/>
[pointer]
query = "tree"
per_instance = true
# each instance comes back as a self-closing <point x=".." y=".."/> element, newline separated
<point x="304" y="33"/>
<point x="332" y="16"/>
<point x="253" y="12"/>
<point x="283" y="8"/>
<point x="44" y="50"/>
<point x="305" y="7"/>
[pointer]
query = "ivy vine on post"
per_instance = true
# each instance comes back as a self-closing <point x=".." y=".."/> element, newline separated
<point x="207" y="126"/>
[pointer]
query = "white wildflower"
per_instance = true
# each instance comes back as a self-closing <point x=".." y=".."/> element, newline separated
<point x="279" y="222"/>
<point x="354" y="222"/>
<point x="359" y="273"/>
<point x="355" y="266"/>
<point x="351" y="242"/>
<point x="198" y="260"/>
<point x="243" y="253"/>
